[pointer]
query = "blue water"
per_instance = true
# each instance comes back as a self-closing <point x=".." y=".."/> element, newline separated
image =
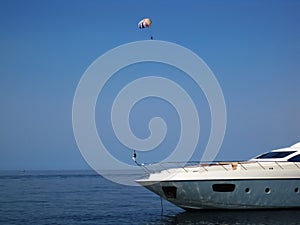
<point x="84" y="197"/>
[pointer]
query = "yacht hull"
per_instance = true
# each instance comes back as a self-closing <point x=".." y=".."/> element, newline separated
<point x="228" y="194"/>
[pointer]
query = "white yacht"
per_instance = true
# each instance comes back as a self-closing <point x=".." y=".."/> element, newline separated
<point x="270" y="180"/>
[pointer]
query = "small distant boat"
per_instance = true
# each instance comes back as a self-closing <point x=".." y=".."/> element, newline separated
<point x="270" y="180"/>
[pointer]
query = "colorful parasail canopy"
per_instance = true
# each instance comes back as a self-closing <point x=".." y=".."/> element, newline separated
<point x="146" y="22"/>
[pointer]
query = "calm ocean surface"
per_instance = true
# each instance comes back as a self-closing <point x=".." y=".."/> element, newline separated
<point x="84" y="197"/>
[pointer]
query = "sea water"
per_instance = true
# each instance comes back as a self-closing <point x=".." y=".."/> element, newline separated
<point x="84" y="197"/>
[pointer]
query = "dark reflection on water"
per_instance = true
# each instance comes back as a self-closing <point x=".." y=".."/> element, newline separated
<point x="224" y="217"/>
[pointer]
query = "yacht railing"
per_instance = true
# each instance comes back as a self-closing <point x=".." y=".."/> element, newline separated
<point x="197" y="166"/>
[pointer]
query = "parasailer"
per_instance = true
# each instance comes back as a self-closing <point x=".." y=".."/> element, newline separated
<point x="145" y="23"/>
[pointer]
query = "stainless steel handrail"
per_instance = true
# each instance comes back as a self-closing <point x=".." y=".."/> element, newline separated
<point x="206" y="166"/>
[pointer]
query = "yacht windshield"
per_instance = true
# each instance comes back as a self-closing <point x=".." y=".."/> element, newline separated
<point x="295" y="159"/>
<point x="274" y="155"/>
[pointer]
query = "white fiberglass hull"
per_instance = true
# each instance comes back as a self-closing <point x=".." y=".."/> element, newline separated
<point x="259" y="183"/>
<point x="247" y="194"/>
<point x="247" y="185"/>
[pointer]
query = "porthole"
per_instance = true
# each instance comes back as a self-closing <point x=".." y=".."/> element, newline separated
<point x="223" y="187"/>
<point x="247" y="190"/>
<point x="296" y="190"/>
<point x="268" y="190"/>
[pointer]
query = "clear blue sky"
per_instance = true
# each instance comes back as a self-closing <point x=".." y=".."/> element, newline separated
<point x="253" y="48"/>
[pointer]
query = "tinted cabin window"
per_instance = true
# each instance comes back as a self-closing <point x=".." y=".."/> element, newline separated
<point x="223" y="187"/>
<point x="274" y="155"/>
<point x="295" y="159"/>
